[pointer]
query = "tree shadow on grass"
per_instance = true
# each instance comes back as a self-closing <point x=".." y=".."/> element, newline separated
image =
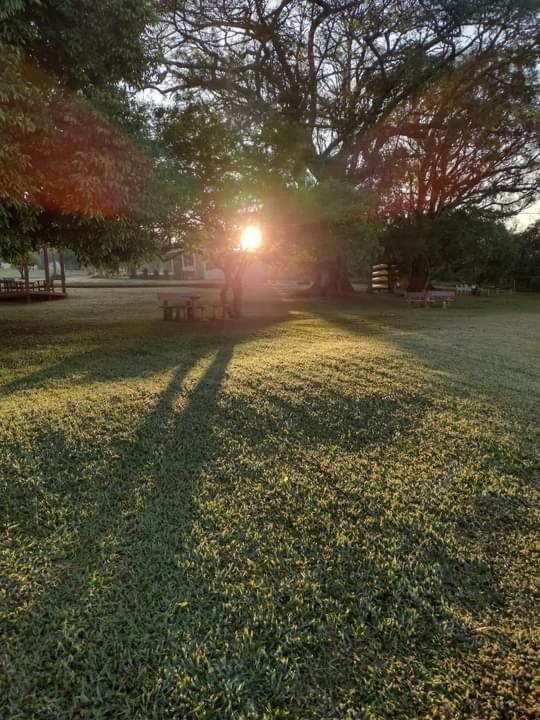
<point x="220" y="574"/>
<point x="102" y="618"/>
<point x="354" y="423"/>
<point x="429" y="337"/>
<point x="136" y="354"/>
<point x="36" y="446"/>
<point x="189" y="590"/>
<point x="462" y="584"/>
<point x="311" y="594"/>
<point x="306" y="594"/>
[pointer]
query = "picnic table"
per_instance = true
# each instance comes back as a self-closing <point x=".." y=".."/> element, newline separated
<point x="183" y="306"/>
<point x="430" y="297"/>
<point x="178" y="305"/>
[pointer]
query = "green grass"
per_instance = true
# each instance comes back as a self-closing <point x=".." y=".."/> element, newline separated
<point x="328" y="515"/>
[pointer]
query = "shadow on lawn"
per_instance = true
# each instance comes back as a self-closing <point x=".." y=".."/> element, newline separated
<point x="104" y="613"/>
<point x="202" y="583"/>
<point x="422" y="333"/>
<point x="140" y="351"/>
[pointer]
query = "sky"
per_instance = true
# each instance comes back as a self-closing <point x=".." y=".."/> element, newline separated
<point x="528" y="217"/>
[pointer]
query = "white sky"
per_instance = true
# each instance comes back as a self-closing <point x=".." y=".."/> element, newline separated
<point x="528" y="216"/>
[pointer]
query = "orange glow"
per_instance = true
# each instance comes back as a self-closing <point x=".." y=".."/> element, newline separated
<point x="74" y="160"/>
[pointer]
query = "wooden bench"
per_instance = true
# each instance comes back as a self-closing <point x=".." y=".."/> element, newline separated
<point x="177" y="306"/>
<point x="442" y="296"/>
<point x="431" y="298"/>
<point x="417" y="298"/>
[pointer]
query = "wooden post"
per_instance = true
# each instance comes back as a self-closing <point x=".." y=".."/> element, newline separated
<point x="46" y="266"/>
<point x="62" y="271"/>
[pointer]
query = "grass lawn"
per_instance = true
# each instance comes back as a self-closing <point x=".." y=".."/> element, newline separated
<point x="330" y="515"/>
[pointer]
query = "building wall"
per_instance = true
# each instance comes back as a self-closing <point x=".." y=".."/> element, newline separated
<point x="191" y="266"/>
<point x="186" y="266"/>
<point x="211" y="272"/>
<point x="162" y="267"/>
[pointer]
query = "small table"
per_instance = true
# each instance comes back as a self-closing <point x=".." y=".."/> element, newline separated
<point x="178" y="301"/>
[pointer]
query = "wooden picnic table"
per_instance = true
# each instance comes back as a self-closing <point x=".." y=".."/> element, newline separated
<point x="430" y="297"/>
<point x="176" y="304"/>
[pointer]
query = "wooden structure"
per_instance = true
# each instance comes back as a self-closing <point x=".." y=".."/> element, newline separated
<point x="430" y="298"/>
<point x="181" y="306"/>
<point x="177" y="306"/>
<point x="384" y="278"/>
<point x="26" y="290"/>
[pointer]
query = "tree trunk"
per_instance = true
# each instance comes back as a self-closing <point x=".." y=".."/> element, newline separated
<point x="62" y="273"/>
<point x="53" y="256"/>
<point x="331" y="279"/>
<point x="237" y="291"/>
<point x="343" y="284"/>
<point x="232" y="290"/>
<point x="316" y="288"/>
<point x="419" y="275"/>
<point x="27" y="281"/>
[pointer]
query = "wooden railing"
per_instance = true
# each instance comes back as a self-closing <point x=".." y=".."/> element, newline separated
<point x="12" y="285"/>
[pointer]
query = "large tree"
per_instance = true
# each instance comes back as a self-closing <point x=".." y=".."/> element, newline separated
<point x="229" y="179"/>
<point x="335" y="71"/>
<point x="220" y="189"/>
<point x="371" y="93"/>
<point x="465" y="244"/>
<point x="471" y="140"/>
<point x="469" y="143"/>
<point x="73" y="168"/>
<point x="83" y="44"/>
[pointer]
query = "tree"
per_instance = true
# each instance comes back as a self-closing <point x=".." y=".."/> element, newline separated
<point x="334" y="71"/>
<point x="83" y="44"/>
<point x="217" y="194"/>
<point x="233" y="181"/>
<point x="465" y="244"/>
<point x="80" y="175"/>
<point x="470" y="142"/>
<point x="352" y="90"/>
<point x="527" y="264"/>
<point x="329" y="224"/>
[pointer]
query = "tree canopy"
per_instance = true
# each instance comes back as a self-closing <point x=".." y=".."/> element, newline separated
<point x="326" y="117"/>
<point x="424" y="108"/>
<point x="74" y="171"/>
<point x="347" y="78"/>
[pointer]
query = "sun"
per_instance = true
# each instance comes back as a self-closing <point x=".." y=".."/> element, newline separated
<point x="251" y="238"/>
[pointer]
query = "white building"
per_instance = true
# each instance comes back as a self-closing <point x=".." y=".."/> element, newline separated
<point x="181" y="266"/>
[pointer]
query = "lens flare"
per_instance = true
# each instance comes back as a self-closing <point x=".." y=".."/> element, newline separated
<point x="251" y="238"/>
